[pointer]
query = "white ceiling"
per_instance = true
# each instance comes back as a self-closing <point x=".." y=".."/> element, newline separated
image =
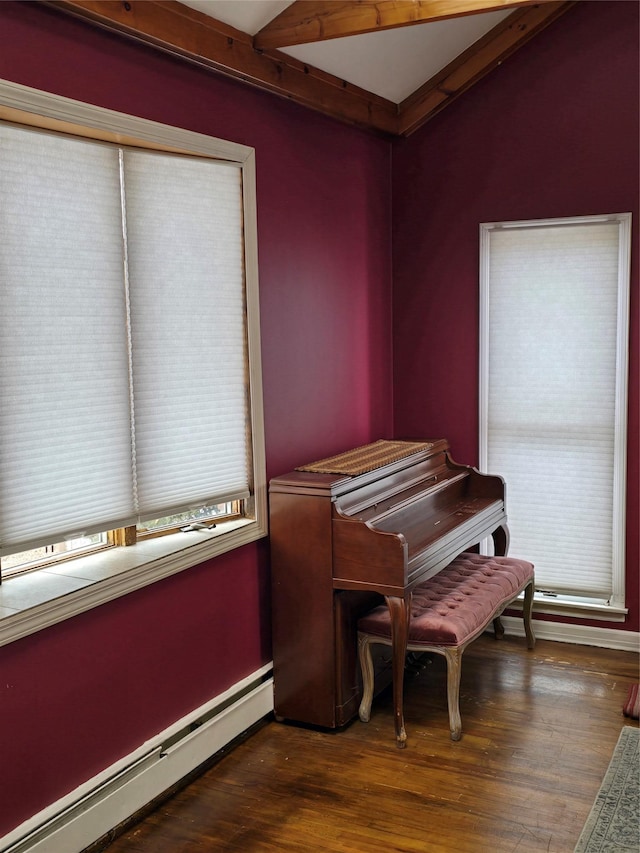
<point x="392" y="63"/>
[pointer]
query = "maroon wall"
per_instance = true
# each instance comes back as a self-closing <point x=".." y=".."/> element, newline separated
<point x="78" y="696"/>
<point x="553" y="132"/>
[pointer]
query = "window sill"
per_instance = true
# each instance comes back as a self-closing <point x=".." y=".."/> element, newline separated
<point x="577" y="608"/>
<point x="38" y="599"/>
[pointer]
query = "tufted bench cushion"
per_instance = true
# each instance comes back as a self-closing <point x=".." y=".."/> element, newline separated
<point x="457" y="603"/>
<point x="447" y="612"/>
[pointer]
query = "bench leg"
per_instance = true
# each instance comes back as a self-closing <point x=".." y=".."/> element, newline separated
<point x="454" y="669"/>
<point x="366" y="667"/>
<point x="526" y="615"/>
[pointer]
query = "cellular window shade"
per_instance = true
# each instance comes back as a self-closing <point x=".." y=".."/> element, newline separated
<point x="551" y="410"/>
<point x="123" y="390"/>
<point x="186" y="274"/>
<point x="65" y="437"/>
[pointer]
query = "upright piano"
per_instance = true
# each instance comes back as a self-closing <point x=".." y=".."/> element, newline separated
<point x="348" y="532"/>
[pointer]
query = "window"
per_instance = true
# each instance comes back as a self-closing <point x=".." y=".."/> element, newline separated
<point x="554" y="353"/>
<point x="129" y="343"/>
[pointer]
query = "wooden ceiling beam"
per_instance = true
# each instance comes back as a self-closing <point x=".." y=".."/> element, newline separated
<point x="307" y="21"/>
<point x="185" y="32"/>
<point x="181" y="31"/>
<point x="481" y="58"/>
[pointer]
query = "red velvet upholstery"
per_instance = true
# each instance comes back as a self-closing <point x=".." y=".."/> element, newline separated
<point x="439" y="614"/>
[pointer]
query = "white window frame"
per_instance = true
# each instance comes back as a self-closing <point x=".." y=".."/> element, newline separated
<point x="43" y="597"/>
<point x="614" y="609"/>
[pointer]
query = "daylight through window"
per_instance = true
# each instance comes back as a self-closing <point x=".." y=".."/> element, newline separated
<point x="125" y="387"/>
<point x="554" y="332"/>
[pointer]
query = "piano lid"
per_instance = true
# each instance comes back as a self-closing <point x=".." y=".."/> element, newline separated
<point x="367" y="458"/>
<point x="378" y="461"/>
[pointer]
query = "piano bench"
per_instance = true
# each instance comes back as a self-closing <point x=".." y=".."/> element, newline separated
<point x="448" y="612"/>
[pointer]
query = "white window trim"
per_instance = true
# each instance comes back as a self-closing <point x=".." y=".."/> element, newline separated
<point x="615" y="608"/>
<point x="31" y="602"/>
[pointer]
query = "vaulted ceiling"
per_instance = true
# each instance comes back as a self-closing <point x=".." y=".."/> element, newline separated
<point x="387" y="65"/>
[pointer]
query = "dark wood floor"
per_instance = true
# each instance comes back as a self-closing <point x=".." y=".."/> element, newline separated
<point x="539" y="729"/>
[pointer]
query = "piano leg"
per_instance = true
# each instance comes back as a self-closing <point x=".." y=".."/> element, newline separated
<point x="500" y="538"/>
<point x="400" y="613"/>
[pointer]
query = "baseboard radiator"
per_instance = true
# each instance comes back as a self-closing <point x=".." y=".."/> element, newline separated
<point x="93" y="809"/>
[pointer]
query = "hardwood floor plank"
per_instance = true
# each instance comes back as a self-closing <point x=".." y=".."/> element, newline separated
<point x="539" y="728"/>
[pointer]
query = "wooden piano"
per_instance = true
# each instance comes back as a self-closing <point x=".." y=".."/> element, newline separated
<point x="374" y="521"/>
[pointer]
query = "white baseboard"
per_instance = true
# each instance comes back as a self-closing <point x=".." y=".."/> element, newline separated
<point x="582" y="635"/>
<point x="91" y="810"/>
